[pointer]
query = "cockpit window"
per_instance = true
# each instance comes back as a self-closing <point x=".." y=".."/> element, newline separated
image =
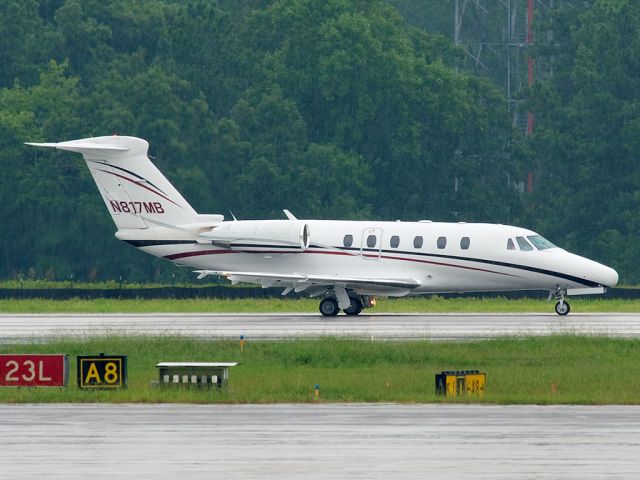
<point x="540" y="243"/>
<point x="510" y="245"/>
<point x="523" y="244"/>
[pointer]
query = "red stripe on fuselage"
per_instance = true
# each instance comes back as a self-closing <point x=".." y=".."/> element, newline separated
<point x="176" y="256"/>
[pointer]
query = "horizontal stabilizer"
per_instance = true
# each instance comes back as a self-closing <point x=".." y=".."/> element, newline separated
<point x="79" y="146"/>
<point x="134" y="191"/>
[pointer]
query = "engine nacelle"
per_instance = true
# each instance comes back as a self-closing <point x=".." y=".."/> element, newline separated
<point x="261" y="233"/>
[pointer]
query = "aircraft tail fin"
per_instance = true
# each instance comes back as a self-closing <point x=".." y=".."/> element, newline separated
<point x="131" y="186"/>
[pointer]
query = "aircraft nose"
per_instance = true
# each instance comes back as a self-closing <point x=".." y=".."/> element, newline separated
<point x="608" y="277"/>
<point x="595" y="272"/>
<point x="604" y="275"/>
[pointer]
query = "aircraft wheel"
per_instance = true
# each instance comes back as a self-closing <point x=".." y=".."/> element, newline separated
<point x="562" y="308"/>
<point x="355" y="308"/>
<point x="329" y="307"/>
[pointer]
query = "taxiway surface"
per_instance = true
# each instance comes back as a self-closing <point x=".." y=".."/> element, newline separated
<point x="15" y="328"/>
<point x="318" y="441"/>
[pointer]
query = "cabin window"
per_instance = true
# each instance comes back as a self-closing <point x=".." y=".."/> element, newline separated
<point x="510" y="245"/>
<point x="348" y="240"/>
<point x="395" y="241"/>
<point x="371" y="241"/>
<point x="523" y="244"/>
<point x="540" y="243"/>
<point x="442" y="242"/>
<point x="464" y="243"/>
<point x="417" y="242"/>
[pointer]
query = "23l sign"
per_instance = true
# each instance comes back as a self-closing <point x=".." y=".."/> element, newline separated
<point x="34" y="370"/>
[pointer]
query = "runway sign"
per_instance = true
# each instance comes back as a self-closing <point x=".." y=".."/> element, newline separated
<point x="102" y="371"/>
<point x="34" y="370"/>
<point x="459" y="383"/>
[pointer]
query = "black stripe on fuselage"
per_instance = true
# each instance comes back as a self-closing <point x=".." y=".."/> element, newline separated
<point x="142" y="179"/>
<point x="527" y="268"/>
<point x="542" y="271"/>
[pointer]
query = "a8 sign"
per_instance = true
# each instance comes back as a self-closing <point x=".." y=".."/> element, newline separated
<point x="34" y="370"/>
<point x="103" y="371"/>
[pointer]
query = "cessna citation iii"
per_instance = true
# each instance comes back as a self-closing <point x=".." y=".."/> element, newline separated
<point x="345" y="263"/>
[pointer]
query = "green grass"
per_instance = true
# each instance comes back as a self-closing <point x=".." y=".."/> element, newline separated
<point x="584" y="370"/>
<point x="433" y="304"/>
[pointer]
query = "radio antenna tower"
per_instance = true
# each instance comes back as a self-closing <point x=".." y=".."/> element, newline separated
<point x="496" y="36"/>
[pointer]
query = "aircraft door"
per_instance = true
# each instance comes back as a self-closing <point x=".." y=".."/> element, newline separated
<point x="371" y="244"/>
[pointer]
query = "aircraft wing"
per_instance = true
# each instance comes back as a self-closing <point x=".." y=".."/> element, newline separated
<point x="300" y="282"/>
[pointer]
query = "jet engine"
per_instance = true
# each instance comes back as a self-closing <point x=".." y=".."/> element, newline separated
<point x="292" y="235"/>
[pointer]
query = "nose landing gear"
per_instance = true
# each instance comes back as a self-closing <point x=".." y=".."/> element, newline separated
<point x="562" y="306"/>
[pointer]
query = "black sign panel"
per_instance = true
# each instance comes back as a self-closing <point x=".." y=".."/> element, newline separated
<point x="103" y="371"/>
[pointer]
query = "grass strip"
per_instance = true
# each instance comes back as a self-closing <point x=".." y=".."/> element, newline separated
<point x="435" y="304"/>
<point x="564" y="369"/>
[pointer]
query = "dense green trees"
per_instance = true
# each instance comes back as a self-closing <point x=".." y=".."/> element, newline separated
<point x="585" y="148"/>
<point x="333" y="109"/>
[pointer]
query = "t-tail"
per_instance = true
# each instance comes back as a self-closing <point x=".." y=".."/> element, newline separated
<point x="136" y="194"/>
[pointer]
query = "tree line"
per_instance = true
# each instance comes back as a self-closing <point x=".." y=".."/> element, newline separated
<point x="335" y="109"/>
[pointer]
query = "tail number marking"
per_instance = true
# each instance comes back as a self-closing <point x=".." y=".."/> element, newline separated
<point x="136" y="207"/>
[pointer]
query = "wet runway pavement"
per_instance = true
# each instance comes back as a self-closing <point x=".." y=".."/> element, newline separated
<point x="158" y="442"/>
<point x="319" y="441"/>
<point x="15" y="328"/>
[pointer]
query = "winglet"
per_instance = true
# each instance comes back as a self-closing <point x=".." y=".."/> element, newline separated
<point x="289" y="215"/>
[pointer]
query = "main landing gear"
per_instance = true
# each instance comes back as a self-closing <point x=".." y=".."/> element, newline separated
<point x="329" y="305"/>
<point x="562" y="306"/>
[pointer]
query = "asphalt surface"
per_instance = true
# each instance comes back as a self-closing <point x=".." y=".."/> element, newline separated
<point x="15" y="328"/>
<point x="318" y="441"/>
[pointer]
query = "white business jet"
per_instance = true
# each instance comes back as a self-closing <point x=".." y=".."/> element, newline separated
<point x="345" y="263"/>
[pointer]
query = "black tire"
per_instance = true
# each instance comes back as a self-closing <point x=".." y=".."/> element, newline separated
<point x="563" y="309"/>
<point x="355" y="308"/>
<point x="329" y="307"/>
